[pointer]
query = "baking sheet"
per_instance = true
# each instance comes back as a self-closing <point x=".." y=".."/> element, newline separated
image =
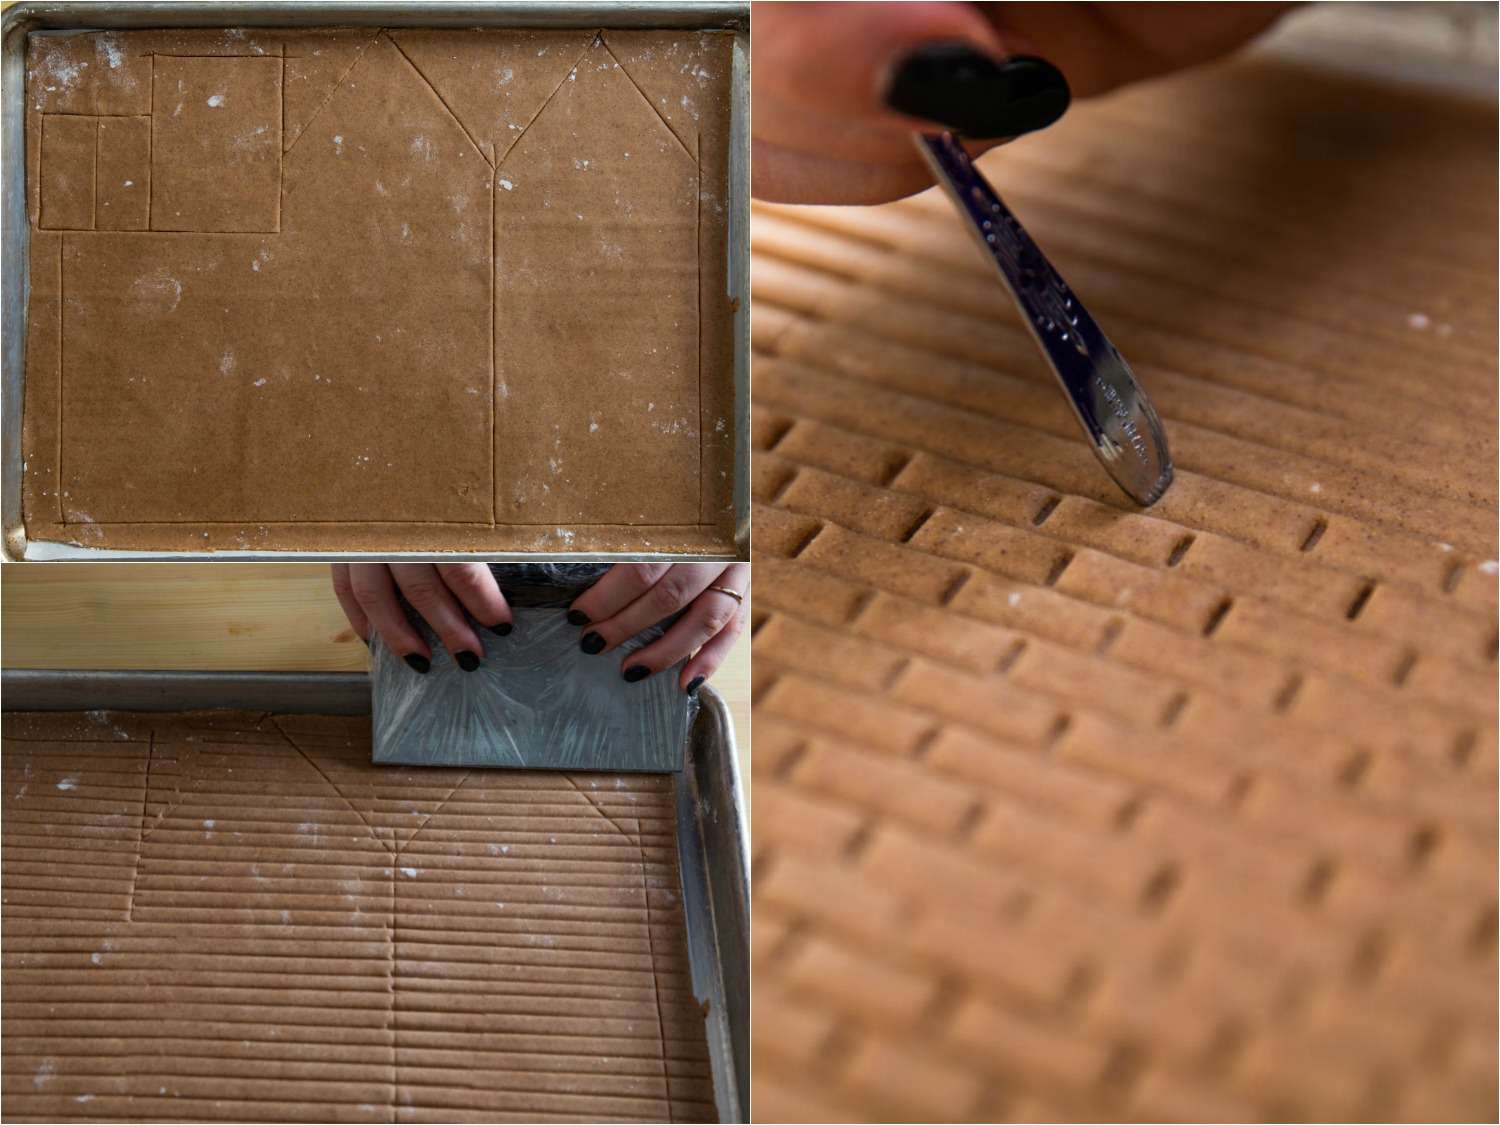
<point x="711" y="832"/>
<point x="22" y="18"/>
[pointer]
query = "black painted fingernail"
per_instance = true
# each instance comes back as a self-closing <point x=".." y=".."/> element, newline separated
<point x="578" y="617"/>
<point x="503" y="629"/>
<point x="971" y="93"/>
<point x="417" y="663"/>
<point x="467" y="660"/>
<point x="636" y="672"/>
<point x="694" y="684"/>
<point x="592" y="643"/>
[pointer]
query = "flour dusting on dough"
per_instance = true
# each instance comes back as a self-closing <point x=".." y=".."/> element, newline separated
<point x="160" y="285"/>
<point x="57" y="68"/>
<point x="113" y="56"/>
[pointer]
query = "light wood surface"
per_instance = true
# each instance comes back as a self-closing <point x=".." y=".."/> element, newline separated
<point x="218" y="616"/>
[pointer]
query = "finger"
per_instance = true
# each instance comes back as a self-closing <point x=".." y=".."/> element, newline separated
<point x="787" y="175"/>
<point x="621" y="585"/>
<point x="710" y="614"/>
<point x="349" y="603"/>
<point x="827" y="129"/>
<point x="374" y="589"/>
<point x="672" y="591"/>
<point x="796" y="116"/>
<point x="1101" y="46"/>
<point x="838" y="58"/>
<point x="425" y="591"/>
<point x="712" y="655"/>
<point x="478" y="592"/>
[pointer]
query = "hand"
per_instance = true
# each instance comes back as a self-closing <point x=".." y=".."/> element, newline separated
<point x="839" y="88"/>
<point x="634" y="596"/>
<point x="440" y="592"/>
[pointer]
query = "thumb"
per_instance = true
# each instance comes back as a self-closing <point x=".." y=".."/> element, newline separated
<point x="904" y="64"/>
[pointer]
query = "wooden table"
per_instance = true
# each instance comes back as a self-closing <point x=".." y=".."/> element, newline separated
<point x="220" y="616"/>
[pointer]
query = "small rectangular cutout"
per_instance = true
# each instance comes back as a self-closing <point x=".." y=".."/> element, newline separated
<point x="1216" y="618"/>
<point x="1319" y="526"/>
<point x="67" y="172"/>
<point x="122" y="180"/>
<point x="1361" y="599"/>
<point x="1046" y="510"/>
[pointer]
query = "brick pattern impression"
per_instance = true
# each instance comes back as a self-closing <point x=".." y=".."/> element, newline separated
<point x="234" y="917"/>
<point x="1066" y="811"/>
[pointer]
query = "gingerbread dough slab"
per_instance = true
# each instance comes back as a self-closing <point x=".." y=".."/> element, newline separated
<point x="233" y="917"/>
<point x="1066" y="811"/>
<point x="408" y="289"/>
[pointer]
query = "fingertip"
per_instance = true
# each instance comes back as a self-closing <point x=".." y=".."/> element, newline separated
<point x="809" y="49"/>
<point x="974" y="93"/>
<point x="466" y="647"/>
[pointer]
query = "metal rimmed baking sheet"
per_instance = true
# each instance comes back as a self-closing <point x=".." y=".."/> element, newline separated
<point x="24" y="19"/>
<point x="710" y="830"/>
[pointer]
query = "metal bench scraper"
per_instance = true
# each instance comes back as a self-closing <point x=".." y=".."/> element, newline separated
<point x="536" y="701"/>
